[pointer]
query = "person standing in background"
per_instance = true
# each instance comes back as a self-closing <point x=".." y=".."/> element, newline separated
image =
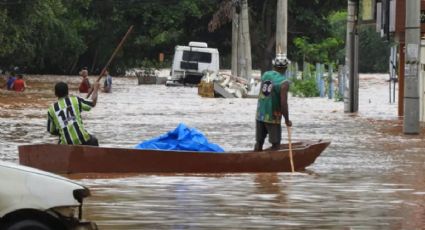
<point x="19" y="84"/>
<point x="10" y="81"/>
<point x="107" y="86"/>
<point x="85" y="83"/>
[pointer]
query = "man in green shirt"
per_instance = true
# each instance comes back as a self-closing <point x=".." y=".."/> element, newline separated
<point x="272" y="104"/>
<point x="64" y="117"/>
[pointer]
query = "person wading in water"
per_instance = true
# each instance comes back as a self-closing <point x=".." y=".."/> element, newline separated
<point x="85" y="83"/>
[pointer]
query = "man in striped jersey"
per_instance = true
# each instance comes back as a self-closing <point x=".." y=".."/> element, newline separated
<point x="64" y="117"/>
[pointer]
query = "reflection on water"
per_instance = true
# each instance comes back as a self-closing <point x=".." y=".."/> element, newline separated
<point x="370" y="177"/>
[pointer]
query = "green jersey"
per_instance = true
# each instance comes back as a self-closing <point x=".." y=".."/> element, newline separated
<point x="64" y="119"/>
<point x="268" y="108"/>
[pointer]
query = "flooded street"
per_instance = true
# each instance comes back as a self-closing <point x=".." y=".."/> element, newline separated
<point x="370" y="177"/>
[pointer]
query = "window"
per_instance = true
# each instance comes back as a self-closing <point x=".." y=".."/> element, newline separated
<point x="197" y="56"/>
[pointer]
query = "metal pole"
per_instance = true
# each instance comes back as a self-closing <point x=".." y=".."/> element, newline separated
<point x="355" y="76"/>
<point x="322" y="80"/>
<point x="351" y="60"/>
<point x="411" y="80"/>
<point x="394" y="90"/>
<point x="393" y="75"/>
<point x="331" y="83"/>
<point x="389" y="82"/>
<point x="402" y="59"/>
<point x="340" y="80"/>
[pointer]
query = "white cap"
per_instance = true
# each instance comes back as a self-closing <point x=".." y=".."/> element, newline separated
<point x="281" y="60"/>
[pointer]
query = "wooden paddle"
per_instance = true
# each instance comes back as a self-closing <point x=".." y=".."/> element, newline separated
<point x="290" y="148"/>
<point x="112" y="57"/>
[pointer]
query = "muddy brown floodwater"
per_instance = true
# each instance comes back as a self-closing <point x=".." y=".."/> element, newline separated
<point x="370" y="177"/>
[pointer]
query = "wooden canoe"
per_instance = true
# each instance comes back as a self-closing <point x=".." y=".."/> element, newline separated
<point x="67" y="159"/>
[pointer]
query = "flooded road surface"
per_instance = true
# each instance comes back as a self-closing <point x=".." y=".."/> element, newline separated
<point x="370" y="177"/>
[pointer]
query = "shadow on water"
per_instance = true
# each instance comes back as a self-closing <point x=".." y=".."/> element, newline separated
<point x="370" y="177"/>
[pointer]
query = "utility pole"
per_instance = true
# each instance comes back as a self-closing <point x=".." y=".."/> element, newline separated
<point x="351" y="91"/>
<point x="241" y="50"/>
<point x="235" y="30"/>
<point x="246" y="41"/>
<point x="411" y="70"/>
<point x="282" y="26"/>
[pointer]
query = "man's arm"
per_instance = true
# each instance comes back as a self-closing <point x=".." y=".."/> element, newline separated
<point x="284" y="102"/>
<point x="51" y="128"/>
<point x="86" y="105"/>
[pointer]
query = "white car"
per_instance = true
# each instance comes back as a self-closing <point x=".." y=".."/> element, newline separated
<point x="38" y="200"/>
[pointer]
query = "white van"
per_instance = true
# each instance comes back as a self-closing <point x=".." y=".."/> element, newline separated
<point x="38" y="200"/>
<point x="190" y="63"/>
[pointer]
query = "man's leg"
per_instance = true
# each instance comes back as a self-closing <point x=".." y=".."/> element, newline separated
<point x="275" y="135"/>
<point x="260" y="135"/>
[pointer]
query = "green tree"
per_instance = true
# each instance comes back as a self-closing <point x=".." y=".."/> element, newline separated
<point x="61" y="36"/>
<point x="323" y="52"/>
<point x="39" y="35"/>
<point x="158" y="27"/>
<point x="307" y="19"/>
<point x="374" y="52"/>
<point x="338" y="30"/>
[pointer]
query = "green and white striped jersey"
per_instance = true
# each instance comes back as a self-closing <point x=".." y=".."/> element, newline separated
<point x="64" y="119"/>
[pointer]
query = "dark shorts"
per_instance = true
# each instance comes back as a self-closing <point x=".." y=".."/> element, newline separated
<point x="273" y="130"/>
<point x="92" y="141"/>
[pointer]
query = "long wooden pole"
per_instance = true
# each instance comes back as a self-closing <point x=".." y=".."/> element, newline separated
<point x="290" y="148"/>
<point x="112" y="57"/>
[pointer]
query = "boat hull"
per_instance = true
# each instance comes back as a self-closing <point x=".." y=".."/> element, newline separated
<point x="68" y="159"/>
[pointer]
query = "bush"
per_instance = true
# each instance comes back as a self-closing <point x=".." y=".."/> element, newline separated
<point x="304" y="87"/>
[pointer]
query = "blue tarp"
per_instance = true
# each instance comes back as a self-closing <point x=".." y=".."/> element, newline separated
<point x="181" y="138"/>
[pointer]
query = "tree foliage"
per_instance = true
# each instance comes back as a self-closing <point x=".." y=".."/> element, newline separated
<point x="323" y="52"/>
<point x="306" y="19"/>
<point x="374" y="52"/>
<point x="61" y="36"/>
